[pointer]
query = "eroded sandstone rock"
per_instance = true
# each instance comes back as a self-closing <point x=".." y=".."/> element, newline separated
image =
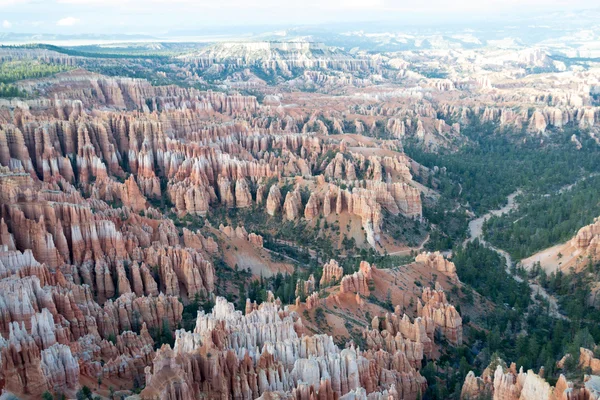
<point x="273" y="360"/>
<point x="332" y="273"/>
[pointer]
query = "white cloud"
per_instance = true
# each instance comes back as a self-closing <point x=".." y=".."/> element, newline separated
<point x="6" y="24"/>
<point x="232" y="4"/>
<point x="68" y="21"/>
<point x="153" y="16"/>
<point x="238" y="8"/>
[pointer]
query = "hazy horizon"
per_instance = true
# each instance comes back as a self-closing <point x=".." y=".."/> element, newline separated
<point x="159" y="18"/>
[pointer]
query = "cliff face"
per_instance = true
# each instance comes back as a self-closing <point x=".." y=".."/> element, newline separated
<point x="395" y="332"/>
<point x="358" y="282"/>
<point x="440" y="315"/>
<point x="437" y="262"/>
<point x="509" y="384"/>
<point x="587" y="361"/>
<point x="475" y="387"/>
<point x="393" y="336"/>
<point x="332" y="273"/>
<point x="587" y="241"/>
<point x="305" y="288"/>
<point x="270" y="356"/>
<point x="273" y="200"/>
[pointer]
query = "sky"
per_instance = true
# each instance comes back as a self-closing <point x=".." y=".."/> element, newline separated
<point x="159" y="17"/>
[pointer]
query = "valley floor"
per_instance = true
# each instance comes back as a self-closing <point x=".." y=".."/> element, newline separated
<point x="476" y="233"/>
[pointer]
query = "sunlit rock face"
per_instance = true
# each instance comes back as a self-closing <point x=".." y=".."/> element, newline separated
<point x="505" y="382"/>
<point x="267" y="353"/>
<point x="437" y="262"/>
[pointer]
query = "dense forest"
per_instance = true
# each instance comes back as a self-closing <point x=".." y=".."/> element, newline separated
<point x="482" y="173"/>
<point x="448" y="222"/>
<point x="12" y="71"/>
<point x="96" y="51"/>
<point x="11" y="91"/>
<point x="574" y="292"/>
<point x="485" y="271"/>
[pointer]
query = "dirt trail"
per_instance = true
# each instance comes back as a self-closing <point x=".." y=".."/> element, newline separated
<point x="407" y="252"/>
<point x="568" y="187"/>
<point x="476" y="225"/>
<point x="476" y="232"/>
<point x="313" y="254"/>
